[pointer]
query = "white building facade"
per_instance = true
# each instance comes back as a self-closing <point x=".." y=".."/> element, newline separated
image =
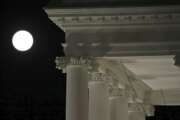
<point x="119" y="61"/>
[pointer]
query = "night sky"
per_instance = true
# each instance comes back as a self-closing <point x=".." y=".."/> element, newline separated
<point x="110" y="3"/>
<point x="30" y="85"/>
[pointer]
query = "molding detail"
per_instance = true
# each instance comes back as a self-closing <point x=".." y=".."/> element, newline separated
<point x="149" y="109"/>
<point x="62" y="62"/>
<point x="135" y="107"/>
<point x="118" y="19"/>
<point x="141" y="107"/>
<point x="113" y="32"/>
<point x="97" y="76"/>
<point x="115" y="16"/>
<point x="116" y="92"/>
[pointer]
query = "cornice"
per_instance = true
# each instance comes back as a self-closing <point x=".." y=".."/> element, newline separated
<point x="115" y="16"/>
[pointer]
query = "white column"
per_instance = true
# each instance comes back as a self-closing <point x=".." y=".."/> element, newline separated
<point x="136" y="111"/>
<point x="136" y="115"/>
<point x="139" y="111"/>
<point x="118" y="105"/>
<point x="149" y="109"/>
<point x="98" y="98"/>
<point x="77" y="93"/>
<point x="76" y="87"/>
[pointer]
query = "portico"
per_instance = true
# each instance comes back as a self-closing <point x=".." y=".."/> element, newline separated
<point x="119" y="63"/>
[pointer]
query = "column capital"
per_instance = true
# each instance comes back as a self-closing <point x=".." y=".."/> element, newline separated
<point x="98" y="76"/>
<point x="149" y="109"/>
<point x="63" y="62"/>
<point x="115" y="91"/>
<point x="130" y="94"/>
<point x="135" y="107"/>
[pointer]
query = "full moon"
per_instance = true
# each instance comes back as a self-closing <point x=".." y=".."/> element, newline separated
<point x="22" y="40"/>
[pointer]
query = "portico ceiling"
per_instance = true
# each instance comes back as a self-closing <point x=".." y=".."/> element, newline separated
<point x="157" y="72"/>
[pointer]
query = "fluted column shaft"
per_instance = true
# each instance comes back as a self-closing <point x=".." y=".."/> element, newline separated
<point x="76" y="87"/>
<point x="77" y="93"/>
<point x="136" y="115"/>
<point x="118" y="104"/>
<point x="98" y="99"/>
<point x="118" y="108"/>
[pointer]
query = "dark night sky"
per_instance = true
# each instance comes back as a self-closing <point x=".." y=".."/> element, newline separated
<point x="32" y="74"/>
<point x="109" y="3"/>
<point x="30" y="86"/>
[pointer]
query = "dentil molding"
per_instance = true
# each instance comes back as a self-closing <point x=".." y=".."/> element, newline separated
<point x="115" y="16"/>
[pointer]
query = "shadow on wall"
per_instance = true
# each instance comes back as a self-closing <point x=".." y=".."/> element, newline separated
<point x="87" y="44"/>
<point x="177" y="59"/>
